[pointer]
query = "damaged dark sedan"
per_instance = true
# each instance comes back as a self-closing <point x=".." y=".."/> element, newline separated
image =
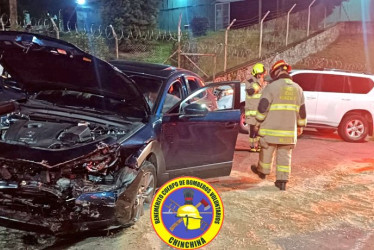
<point x="85" y="149"/>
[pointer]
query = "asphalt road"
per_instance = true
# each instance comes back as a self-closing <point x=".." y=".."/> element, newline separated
<point x="329" y="204"/>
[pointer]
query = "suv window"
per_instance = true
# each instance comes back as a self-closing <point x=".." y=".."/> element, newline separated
<point x="360" y="85"/>
<point x="307" y="81"/>
<point x="333" y="83"/>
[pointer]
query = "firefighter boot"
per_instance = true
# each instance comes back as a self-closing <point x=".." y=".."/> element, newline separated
<point x="281" y="184"/>
<point x="255" y="170"/>
<point x="252" y="147"/>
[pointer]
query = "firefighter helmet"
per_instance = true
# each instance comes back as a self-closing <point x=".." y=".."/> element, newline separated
<point x="191" y="216"/>
<point x="282" y="65"/>
<point x="258" y="68"/>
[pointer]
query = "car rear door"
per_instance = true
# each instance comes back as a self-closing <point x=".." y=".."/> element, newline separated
<point x="333" y="99"/>
<point x="308" y="82"/>
<point x="202" y="143"/>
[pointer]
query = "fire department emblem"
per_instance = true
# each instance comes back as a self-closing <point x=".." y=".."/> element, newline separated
<point x="187" y="213"/>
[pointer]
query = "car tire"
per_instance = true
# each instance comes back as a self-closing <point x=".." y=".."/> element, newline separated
<point x="146" y="188"/>
<point x="353" y="128"/>
<point x="243" y="127"/>
<point x="326" y="130"/>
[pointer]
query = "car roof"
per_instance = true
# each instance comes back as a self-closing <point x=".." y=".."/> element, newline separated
<point x="332" y="71"/>
<point x="151" y="69"/>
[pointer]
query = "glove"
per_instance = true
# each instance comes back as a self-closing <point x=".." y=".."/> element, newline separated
<point x="299" y="131"/>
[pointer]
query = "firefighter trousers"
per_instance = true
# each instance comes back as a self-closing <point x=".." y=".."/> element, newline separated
<point x="253" y="135"/>
<point x="281" y="153"/>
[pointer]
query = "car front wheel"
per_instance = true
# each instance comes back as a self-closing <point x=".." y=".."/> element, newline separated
<point x="243" y="127"/>
<point x="146" y="188"/>
<point x="353" y="128"/>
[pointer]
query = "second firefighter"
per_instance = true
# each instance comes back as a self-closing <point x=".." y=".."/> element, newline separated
<point x="253" y="88"/>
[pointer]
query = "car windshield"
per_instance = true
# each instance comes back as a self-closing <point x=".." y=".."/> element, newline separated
<point x="147" y="84"/>
<point x="90" y="102"/>
<point x="150" y="87"/>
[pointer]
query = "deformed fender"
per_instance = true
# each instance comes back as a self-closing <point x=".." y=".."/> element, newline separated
<point x="125" y="204"/>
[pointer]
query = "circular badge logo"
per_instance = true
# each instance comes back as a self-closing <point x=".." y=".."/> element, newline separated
<point x="187" y="213"/>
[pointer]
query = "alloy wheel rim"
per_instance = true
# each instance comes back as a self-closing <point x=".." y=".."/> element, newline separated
<point x="355" y="128"/>
<point x="146" y="188"/>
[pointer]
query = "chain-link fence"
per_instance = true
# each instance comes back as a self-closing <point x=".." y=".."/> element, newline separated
<point x="205" y="55"/>
<point x="246" y="42"/>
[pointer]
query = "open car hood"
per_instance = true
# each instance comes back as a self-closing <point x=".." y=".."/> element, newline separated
<point x="38" y="62"/>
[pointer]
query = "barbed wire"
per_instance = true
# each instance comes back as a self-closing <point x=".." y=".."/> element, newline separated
<point x="242" y="47"/>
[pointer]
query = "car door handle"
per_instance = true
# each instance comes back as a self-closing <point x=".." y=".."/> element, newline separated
<point x="230" y="125"/>
<point x="311" y="98"/>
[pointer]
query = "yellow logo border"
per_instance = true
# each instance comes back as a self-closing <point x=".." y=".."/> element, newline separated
<point x="158" y="202"/>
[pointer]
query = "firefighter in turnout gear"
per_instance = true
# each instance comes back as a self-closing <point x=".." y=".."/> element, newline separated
<point x="253" y="88"/>
<point x="281" y="116"/>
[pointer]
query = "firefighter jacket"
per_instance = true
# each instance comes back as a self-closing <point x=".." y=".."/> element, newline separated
<point x="280" y="111"/>
<point x="253" y="91"/>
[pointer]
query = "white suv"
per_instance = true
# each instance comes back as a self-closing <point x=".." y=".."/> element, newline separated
<point x="338" y="100"/>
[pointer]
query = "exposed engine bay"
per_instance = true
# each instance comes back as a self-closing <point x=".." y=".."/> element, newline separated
<point x="72" y="145"/>
<point x="83" y="188"/>
<point x="36" y="132"/>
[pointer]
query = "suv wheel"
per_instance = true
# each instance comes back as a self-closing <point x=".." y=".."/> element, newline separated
<point x="353" y="128"/>
<point x="243" y="127"/>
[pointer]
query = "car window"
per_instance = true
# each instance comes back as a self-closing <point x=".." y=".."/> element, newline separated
<point x="333" y="83"/>
<point x="173" y="96"/>
<point x="307" y="81"/>
<point x="360" y="85"/>
<point x="176" y="89"/>
<point x="215" y="99"/>
<point x="192" y="84"/>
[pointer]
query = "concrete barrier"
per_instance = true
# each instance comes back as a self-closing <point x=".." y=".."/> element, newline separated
<point x="298" y="51"/>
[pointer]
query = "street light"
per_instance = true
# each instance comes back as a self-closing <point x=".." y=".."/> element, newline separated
<point x="81" y="2"/>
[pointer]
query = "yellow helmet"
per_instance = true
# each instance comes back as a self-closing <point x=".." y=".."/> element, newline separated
<point x="258" y="68"/>
<point x="191" y="216"/>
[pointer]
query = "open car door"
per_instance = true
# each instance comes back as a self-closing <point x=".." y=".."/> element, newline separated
<point x="200" y="139"/>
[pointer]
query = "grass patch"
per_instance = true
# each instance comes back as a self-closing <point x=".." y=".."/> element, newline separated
<point x="157" y="52"/>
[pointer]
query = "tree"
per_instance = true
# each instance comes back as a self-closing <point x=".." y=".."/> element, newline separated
<point x="13" y="12"/>
<point x="130" y="15"/>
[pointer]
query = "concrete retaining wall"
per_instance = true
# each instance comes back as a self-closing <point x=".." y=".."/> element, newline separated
<point x="291" y="54"/>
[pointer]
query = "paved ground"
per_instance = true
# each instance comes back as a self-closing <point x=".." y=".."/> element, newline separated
<point x="329" y="204"/>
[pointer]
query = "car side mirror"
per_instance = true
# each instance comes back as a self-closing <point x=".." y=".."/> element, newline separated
<point x="195" y="109"/>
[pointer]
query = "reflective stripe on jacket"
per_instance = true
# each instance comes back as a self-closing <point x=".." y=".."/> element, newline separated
<point x="279" y="112"/>
<point x="251" y="101"/>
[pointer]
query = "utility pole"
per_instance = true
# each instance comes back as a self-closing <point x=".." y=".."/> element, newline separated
<point x="13" y="13"/>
